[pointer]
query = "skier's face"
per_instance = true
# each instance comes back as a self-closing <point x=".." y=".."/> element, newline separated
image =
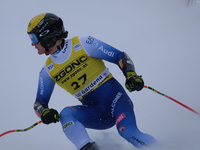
<point x="40" y="48"/>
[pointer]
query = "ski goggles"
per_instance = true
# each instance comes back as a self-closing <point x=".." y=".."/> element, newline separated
<point x="33" y="38"/>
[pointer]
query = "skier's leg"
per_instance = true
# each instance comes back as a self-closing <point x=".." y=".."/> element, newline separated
<point x="75" y="119"/>
<point x="126" y="124"/>
<point x="127" y="128"/>
<point x="73" y="129"/>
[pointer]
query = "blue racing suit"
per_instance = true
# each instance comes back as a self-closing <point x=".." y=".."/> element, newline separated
<point x="104" y="101"/>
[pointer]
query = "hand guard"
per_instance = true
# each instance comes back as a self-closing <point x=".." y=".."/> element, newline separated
<point x="50" y="115"/>
<point x="134" y="82"/>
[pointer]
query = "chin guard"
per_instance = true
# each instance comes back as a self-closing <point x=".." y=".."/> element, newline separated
<point x="47" y="51"/>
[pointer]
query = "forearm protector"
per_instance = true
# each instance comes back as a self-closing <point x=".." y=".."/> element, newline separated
<point x="126" y="64"/>
<point x="38" y="107"/>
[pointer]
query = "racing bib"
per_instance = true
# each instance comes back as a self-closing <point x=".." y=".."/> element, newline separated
<point x="79" y="74"/>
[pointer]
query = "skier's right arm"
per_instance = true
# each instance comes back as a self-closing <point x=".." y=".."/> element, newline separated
<point x="45" y="88"/>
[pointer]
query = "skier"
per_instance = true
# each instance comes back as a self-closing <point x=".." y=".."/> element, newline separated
<point x="77" y="66"/>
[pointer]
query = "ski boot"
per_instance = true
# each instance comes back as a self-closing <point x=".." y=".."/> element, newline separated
<point x="90" y="146"/>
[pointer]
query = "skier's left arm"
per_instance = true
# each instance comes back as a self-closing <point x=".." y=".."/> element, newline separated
<point x="98" y="49"/>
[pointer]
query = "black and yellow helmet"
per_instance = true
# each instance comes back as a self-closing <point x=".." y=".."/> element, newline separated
<point x="46" y="28"/>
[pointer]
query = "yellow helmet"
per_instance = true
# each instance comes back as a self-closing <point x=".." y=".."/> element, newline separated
<point x="45" y="28"/>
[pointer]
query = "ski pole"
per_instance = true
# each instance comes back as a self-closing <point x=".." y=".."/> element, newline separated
<point x="148" y="87"/>
<point x="21" y="130"/>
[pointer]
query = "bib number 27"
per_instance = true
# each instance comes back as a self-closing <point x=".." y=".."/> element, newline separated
<point x="76" y="84"/>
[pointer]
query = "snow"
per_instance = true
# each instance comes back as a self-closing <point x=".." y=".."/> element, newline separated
<point x="161" y="36"/>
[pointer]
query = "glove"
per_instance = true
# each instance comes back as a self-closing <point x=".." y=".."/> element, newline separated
<point x="134" y="82"/>
<point x="50" y="115"/>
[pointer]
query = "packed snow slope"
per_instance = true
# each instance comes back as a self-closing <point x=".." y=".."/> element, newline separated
<point x="161" y="36"/>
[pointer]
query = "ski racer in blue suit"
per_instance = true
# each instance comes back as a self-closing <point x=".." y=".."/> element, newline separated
<point x="77" y="66"/>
